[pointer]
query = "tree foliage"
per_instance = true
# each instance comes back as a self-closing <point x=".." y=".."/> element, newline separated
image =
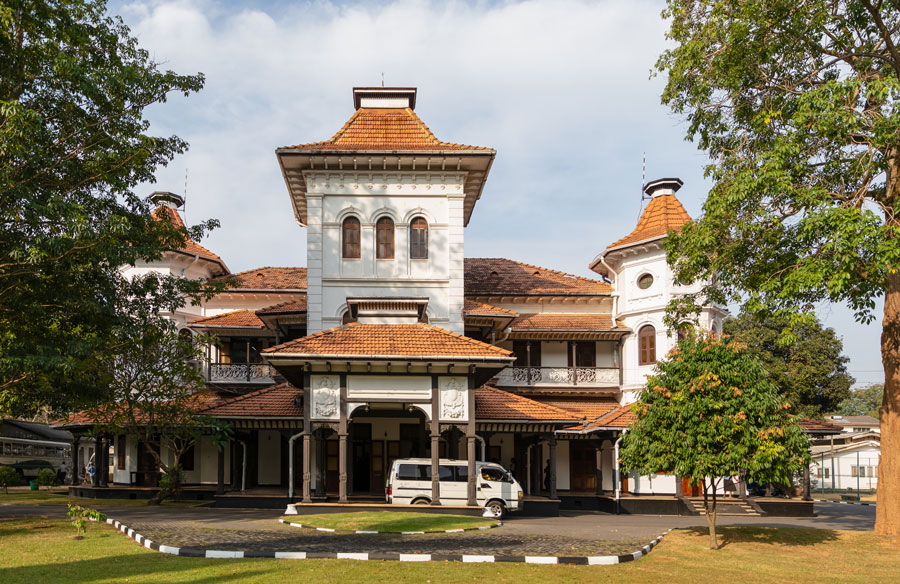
<point x="796" y="104"/>
<point x="863" y="401"/>
<point x="74" y="142"/>
<point x="9" y="477"/>
<point x="711" y="411"/>
<point x="810" y="372"/>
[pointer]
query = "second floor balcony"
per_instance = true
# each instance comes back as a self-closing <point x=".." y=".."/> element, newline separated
<point x="559" y="377"/>
<point x="261" y="373"/>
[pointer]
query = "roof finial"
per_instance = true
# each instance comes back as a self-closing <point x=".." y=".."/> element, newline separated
<point x="382" y="78"/>
<point x="643" y="174"/>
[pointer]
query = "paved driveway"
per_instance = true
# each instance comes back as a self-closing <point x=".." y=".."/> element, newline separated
<point x="574" y="533"/>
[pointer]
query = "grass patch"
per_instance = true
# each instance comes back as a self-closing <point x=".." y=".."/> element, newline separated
<point x="34" y="550"/>
<point x="390" y="521"/>
<point x="60" y="497"/>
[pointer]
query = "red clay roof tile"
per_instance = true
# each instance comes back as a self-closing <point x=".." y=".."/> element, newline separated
<point x="500" y="276"/>
<point x="277" y="401"/>
<point x="472" y="308"/>
<point x="269" y="278"/>
<point x="495" y="404"/>
<point x="190" y="246"/>
<point x="237" y="318"/>
<point x="664" y="213"/>
<point x="290" y="307"/>
<point x="565" y="322"/>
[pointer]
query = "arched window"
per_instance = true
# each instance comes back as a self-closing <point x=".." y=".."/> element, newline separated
<point x="350" y="238"/>
<point x="418" y="239"/>
<point x="384" y="239"/>
<point x="647" y="345"/>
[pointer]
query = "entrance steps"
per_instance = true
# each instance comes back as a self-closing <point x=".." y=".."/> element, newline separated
<point x="726" y="507"/>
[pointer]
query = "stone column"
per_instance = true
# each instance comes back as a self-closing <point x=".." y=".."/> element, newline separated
<point x="470" y="487"/>
<point x="98" y="448"/>
<point x="342" y="443"/>
<point x="307" y="470"/>
<point x="599" y="471"/>
<point x="435" y="442"/>
<point x="73" y="480"/>
<point x="220" y="470"/>
<point x="552" y="443"/>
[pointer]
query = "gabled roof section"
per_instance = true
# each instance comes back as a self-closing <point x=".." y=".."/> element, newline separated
<point x="621" y="417"/>
<point x="235" y="319"/>
<point x="379" y="129"/>
<point x="277" y="401"/>
<point x="495" y="404"/>
<point x="290" y="307"/>
<point x="472" y="308"/>
<point x="584" y="408"/>
<point x="389" y="341"/>
<point x="567" y="322"/>
<point x="190" y="246"/>
<point x="663" y="214"/>
<point x="504" y="277"/>
<point x="269" y="279"/>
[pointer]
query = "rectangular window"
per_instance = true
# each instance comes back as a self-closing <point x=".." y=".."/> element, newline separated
<point x="853" y="471"/>
<point x="827" y="473"/>
<point x="585" y="354"/>
<point x="462" y="474"/>
<point x="520" y="350"/>
<point x="187" y="459"/>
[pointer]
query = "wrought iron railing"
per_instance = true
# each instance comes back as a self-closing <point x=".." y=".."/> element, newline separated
<point x="240" y="373"/>
<point x="556" y="376"/>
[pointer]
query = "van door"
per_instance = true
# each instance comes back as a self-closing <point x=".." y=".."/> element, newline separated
<point x="494" y="485"/>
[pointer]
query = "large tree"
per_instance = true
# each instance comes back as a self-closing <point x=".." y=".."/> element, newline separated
<point x="712" y="411"/>
<point x="863" y="401"/>
<point x="810" y="372"/>
<point x="795" y="101"/>
<point x="74" y="142"/>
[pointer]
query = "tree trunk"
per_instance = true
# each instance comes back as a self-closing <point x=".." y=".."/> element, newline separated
<point x="887" y="510"/>
<point x="710" y="507"/>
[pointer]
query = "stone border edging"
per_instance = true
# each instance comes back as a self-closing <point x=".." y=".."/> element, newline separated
<point x="384" y="556"/>
<point x="863" y="503"/>
<point x="364" y="532"/>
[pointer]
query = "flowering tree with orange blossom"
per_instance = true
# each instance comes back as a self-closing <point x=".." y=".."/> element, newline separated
<point x="711" y="411"/>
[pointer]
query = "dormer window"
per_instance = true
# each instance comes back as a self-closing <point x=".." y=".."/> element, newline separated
<point x="645" y="281"/>
<point x="350" y="238"/>
<point x="384" y="237"/>
<point x="418" y="239"/>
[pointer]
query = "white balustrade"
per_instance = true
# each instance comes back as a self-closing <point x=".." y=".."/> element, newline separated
<point x="556" y="376"/>
<point x="241" y="373"/>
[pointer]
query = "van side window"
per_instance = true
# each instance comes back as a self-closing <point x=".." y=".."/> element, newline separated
<point x="492" y="474"/>
<point x="408" y="472"/>
<point x="446" y="473"/>
<point x="462" y="474"/>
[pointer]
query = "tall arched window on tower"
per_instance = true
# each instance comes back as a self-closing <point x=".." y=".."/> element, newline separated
<point x="350" y="238"/>
<point x="384" y="238"/>
<point x="418" y="239"/>
<point x="647" y="345"/>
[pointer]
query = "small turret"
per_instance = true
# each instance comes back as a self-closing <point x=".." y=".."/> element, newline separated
<point x="166" y="199"/>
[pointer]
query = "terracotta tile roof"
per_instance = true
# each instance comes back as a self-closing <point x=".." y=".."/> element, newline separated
<point x="378" y="129"/>
<point x="663" y="214"/>
<point x="390" y="340"/>
<point x="269" y="278"/>
<point x="819" y="427"/>
<point x="565" y="322"/>
<point x="495" y="404"/>
<point x="500" y="276"/>
<point x="472" y="308"/>
<point x="588" y="409"/>
<point x="277" y="401"/>
<point x="89" y="416"/>
<point x="621" y="417"/>
<point x="237" y="318"/>
<point x="291" y="307"/>
<point x="190" y="246"/>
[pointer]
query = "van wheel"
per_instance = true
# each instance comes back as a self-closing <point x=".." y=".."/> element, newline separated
<point x="421" y="502"/>
<point x="496" y="508"/>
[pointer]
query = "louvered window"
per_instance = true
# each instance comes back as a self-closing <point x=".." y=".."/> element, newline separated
<point x="647" y="345"/>
<point x="384" y="235"/>
<point x="418" y="239"/>
<point x="350" y="238"/>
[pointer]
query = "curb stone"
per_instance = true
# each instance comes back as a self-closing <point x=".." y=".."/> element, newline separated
<point x="384" y="556"/>
<point x="362" y="532"/>
<point x="864" y="504"/>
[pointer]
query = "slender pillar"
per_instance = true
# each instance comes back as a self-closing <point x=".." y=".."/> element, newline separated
<point x="599" y="470"/>
<point x="73" y="480"/>
<point x="435" y="469"/>
<point x="470" y="487"/>
<point x="220" y="470"/>
<point x="104" y="476"/>
<point x="98" y="448"/>
<point x="342" y="443"/>
<point x="552" y="443"/>
<point x="307" y="463"/>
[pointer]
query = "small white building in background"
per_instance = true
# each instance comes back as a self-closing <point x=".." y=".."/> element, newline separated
<point x="848" y="462"/>
<point x="856" y="424"/>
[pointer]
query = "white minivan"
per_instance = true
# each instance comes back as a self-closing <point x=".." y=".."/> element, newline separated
<point x="409" y="483"/>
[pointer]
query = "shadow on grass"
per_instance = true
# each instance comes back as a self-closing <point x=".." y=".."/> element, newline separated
<point x="122" y="567"/>
<point x="780" y="536"/>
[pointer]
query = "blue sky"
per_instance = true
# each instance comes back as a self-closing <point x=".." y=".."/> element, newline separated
<point x="562" y="90"/>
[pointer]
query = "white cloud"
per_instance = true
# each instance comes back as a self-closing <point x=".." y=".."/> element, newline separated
<point x="560" y="89"/>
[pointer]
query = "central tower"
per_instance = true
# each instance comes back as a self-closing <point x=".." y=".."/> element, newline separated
<point x="385" y="203"/>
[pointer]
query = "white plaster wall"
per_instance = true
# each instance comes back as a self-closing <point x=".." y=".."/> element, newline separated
<point x="269" y="457"/>
<point x="841" y="472"/>
<point x="658" y="484"/>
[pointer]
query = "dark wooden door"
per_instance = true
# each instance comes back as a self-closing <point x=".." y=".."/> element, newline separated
<point x="689" y="490"/>
<point x="582" y="467"/>
<point x="378" y="459"/>
<point x="147" y="469"/>
<point x="332" y="477"/>
<point x="361" y="435"/>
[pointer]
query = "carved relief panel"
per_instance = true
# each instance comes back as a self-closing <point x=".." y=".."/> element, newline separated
<point x="326" y="397"/>
<point x="454" y="400"/>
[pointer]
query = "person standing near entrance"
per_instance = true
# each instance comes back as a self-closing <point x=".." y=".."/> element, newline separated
<point x="547" y="476"/>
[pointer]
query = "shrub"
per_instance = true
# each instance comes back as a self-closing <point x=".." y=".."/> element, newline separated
<point x="9" y="477"/>
<point x="80" y="516"/>
<point x="46" y="478"/>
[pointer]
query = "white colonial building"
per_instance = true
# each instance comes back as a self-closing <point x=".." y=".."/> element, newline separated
<point x="391" y="343"/>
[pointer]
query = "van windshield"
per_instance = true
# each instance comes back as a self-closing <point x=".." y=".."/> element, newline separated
<point x="493" y="474"/>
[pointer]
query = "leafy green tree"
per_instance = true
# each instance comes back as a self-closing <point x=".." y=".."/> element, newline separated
<point x="9" y="477"/>
<point x="810" y="372"/>
<point x="46" y="477"/>
<point x="796" y="105"/>
<point x="863" y="401"/>
<point x="74" y="143"/>
<point x="712" y="411"/>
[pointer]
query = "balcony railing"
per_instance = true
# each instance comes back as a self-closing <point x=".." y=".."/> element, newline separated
<point x="241" y="373"/>
<point x="558" y="376"/>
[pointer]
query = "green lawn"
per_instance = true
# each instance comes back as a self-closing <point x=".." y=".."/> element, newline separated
<point x="33" y="550"/>
<point x="390" y="521"/>
<point x="59" y="497"/>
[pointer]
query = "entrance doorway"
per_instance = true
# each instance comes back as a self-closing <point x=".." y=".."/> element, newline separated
<point x="361" y="440"/>
<point x="582" y="467"/>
